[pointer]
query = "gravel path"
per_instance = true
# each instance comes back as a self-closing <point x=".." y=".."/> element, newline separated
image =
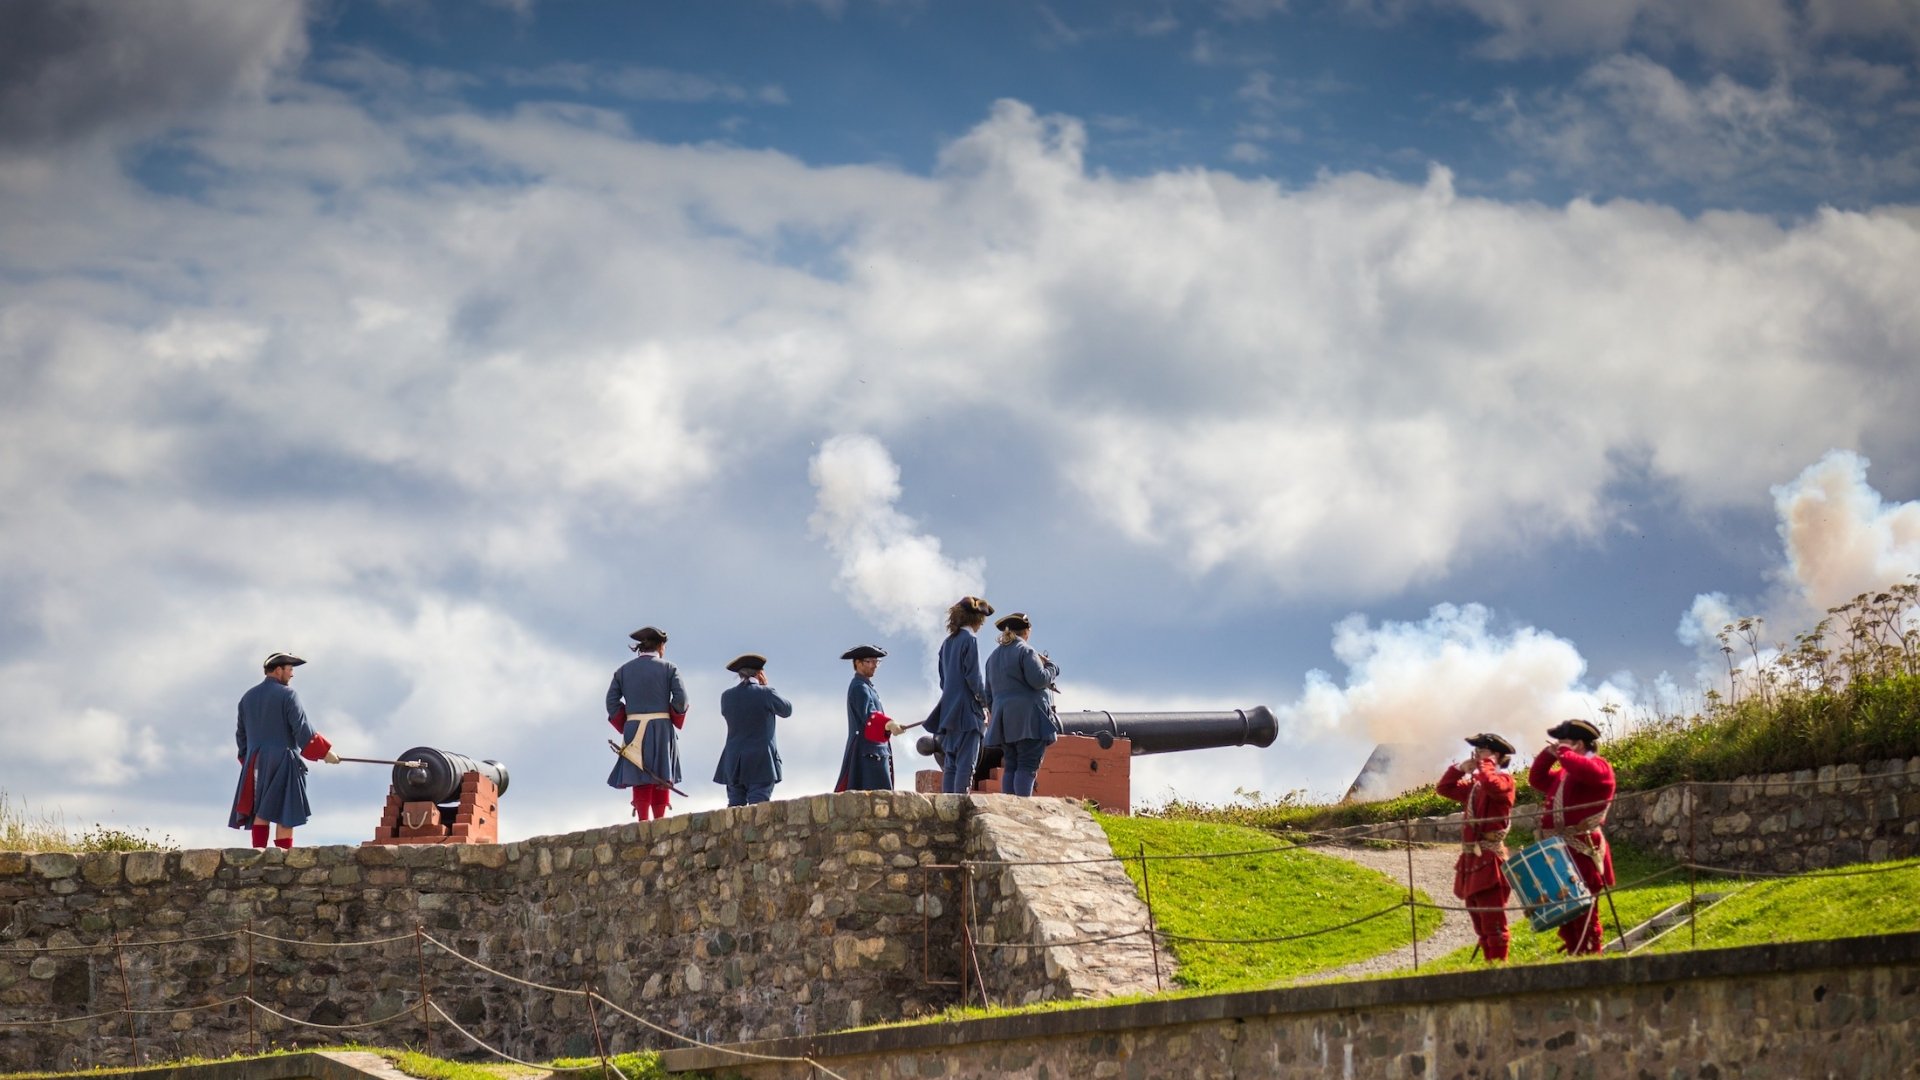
<point x="1433" y="875"/>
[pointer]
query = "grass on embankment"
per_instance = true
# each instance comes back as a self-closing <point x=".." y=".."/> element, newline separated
<point x="1807" y="907"/>
<point x="1269" y="895"/>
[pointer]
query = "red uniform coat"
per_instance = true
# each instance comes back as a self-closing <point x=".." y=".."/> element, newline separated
<point x="1578" y="790"/>
<point x="1487" y="796"/>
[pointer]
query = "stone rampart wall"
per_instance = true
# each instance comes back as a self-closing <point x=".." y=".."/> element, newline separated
<point x="1848" y="1007"/>
<point x="1781" y="822"/>
<point x="797" y="916"/>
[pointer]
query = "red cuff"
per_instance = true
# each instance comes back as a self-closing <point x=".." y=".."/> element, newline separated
<point x="679" y="718"/>
<point x="876" y="730"/>
<point x="316" y="748"/>
<point x="618" y="718"/>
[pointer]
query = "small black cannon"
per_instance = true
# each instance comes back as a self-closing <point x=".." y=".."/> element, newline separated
<point x="428" y="775"/>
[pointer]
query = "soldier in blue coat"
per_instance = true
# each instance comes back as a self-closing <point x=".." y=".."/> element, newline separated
<point x="867" y="764"/>
<point x="647" y="702"/>
<point x="274" y="737"/>
<point x="750" y="762"/>
<point x="1020" y="681"/>
<point x="960" y="717"/>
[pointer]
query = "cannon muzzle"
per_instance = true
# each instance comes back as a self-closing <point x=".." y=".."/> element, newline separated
<point x="436" y="776"/>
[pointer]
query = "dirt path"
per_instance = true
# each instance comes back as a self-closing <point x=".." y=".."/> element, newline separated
<point x="1433" y="875"/>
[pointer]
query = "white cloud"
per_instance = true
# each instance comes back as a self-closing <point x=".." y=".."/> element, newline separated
<point x="893" y="573"/>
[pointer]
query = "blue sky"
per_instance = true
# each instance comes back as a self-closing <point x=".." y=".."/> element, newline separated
<point x="1413" y="367"/>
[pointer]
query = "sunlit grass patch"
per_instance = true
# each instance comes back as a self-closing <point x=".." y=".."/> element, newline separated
<point x="1277" y="894"/>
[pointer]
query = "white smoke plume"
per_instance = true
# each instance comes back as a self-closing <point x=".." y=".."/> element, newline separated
<point x="1425" y="686"/>
<point x="893" y="574"/>
<point x="1840" y="538"/>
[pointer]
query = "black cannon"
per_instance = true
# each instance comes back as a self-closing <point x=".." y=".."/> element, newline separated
<point x="429" y="775"/>
<point x="1149" y="732"/>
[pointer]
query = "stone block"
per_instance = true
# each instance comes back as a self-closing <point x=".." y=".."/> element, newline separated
<point x="100" y="868"/>
<point x="54" y="865"/>
<point x="145" y="867"/>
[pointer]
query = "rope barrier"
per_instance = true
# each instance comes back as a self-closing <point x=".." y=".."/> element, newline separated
<point x="443" y="946"/>
<point x="504" y="1056"/>
<point x="1804" y="874"/>
<point x="691" y="1041"/>
<point x="1287" y="937"/>
<point x="328" y="944"/>
<point x="270" y="1011"/>
<point x="27" y="949"/>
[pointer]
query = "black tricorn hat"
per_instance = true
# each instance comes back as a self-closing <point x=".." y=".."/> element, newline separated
<point x="1014" y="621"/>
<point x="649" y="635"/>
<point x="748" y="661"/>
<point x="976" y="605"/>
<point x="1486" y="740"/>
<point x="864" y="652"/>
<point x="279" y="659"/>
<point x="1575" y="729"/>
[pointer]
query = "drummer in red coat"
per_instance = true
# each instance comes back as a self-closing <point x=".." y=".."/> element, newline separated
<point x="1487" y="794"/>
<point x="1577" y="784"/>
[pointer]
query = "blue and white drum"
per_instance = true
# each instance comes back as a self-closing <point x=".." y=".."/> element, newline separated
<point x="1550" y="889"/>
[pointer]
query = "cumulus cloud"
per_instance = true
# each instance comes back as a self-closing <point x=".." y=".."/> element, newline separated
<point x="639" y="82"/>
<point x="894" y="574"/>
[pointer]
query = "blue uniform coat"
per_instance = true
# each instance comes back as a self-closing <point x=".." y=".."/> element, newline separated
<point x="647" y="684"/>
<point x="1017" y="682"/>
<point x="271" y="730"/>
<point x="964" y="695"/>
<point x="865" y="766"/>
<point x="750" y="757"/>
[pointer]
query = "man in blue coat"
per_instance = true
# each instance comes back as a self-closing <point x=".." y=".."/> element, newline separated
<point x="274" y="737"/>
<point x="1020" y="679"/>
<point x="647" y="703"/>
<point x="867" y="764"/>
<point x="959" y="719"/>
<point x="750" y="762"/>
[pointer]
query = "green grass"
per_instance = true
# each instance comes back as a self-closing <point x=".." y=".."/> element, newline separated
<point x="1809" y="907"/>
<point x="1270" y="895"/>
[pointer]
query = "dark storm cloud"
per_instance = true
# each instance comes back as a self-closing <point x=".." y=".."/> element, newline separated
<point x="74" y="69"/>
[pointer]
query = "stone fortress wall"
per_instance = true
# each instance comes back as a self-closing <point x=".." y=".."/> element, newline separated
<point x="791" y="917"/>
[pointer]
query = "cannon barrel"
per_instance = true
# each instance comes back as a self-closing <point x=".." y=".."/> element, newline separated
<point x="437" y="777"/>
<point x="1159" y="732"/>
<point x="1167" y="732"/>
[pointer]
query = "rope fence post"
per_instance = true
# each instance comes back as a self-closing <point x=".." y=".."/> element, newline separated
<point x="426" y="1003"/>
<point x="253" y="1041"/>
<point x="1693" y="900"/>
<point x="1413" y="913"/>
<point x="599" y="1044"/>
<point x="126" y="995"/>
<point x="1153" y="928"/>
